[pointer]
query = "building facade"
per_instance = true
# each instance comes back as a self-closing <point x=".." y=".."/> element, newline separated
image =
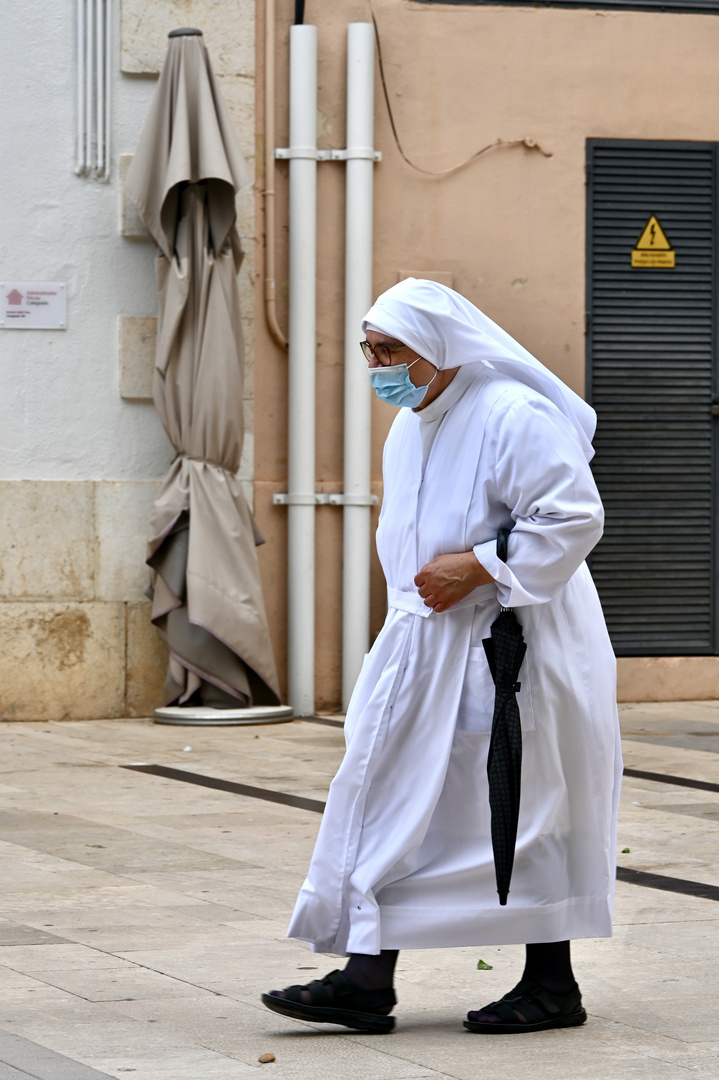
<point x="601" y="122"/>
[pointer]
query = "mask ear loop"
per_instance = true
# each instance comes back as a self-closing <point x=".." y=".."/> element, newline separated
<point x="436" y="371"/>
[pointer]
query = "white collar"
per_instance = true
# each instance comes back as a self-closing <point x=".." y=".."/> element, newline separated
<point x="450" y="395"/>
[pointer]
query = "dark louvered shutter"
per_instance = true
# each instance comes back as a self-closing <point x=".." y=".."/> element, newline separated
<point x="651" y="347"/>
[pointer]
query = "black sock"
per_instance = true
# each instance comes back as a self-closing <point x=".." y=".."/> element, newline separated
<point x="372" y="972"/>
<point x="550" y="965"/>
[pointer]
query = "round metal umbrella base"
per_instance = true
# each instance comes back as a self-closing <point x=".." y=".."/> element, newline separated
<point x="205" y="716"/>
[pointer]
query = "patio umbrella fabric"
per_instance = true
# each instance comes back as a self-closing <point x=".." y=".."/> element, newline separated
<point x="207" y="598"/>
<point x="505" y="651"/>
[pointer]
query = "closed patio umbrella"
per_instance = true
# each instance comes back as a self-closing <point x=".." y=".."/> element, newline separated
<point x="207" y="599"/>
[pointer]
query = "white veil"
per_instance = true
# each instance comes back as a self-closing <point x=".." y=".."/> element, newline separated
<point x="448" y="330"/>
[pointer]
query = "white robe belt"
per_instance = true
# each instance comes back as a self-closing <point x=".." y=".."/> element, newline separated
<point x="413" y="603"/>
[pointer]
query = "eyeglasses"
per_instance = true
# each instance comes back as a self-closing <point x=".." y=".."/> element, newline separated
<point x="381" y="353"/>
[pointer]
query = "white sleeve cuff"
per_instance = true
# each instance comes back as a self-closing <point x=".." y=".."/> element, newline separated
<point x="487" y="556"/>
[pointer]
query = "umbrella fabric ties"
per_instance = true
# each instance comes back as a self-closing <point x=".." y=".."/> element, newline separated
<point x="505" y="651"/>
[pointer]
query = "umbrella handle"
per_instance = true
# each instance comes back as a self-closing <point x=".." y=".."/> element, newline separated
<point x="502" y="538"/>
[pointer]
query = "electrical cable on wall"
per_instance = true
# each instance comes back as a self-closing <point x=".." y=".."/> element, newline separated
<point x="530" y="144"/>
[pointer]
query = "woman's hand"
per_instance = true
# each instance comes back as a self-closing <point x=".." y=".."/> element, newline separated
<point x="449" y="578"/>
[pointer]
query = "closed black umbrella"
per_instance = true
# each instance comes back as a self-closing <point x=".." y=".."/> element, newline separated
<point x="505" y="651"/>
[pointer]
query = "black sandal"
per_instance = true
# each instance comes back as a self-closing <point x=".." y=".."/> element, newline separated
<point x="541" y="1008"/>
<point x="344" y="1004"/>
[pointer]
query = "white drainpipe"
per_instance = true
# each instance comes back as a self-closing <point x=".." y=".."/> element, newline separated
<point x="300" y="497"/>
<point x="90" y="103"/>
<point x="302" y="349"/>
<point x="100" y="92"/>
<point x="81" y="100"/>
<point x="358" y="298"/>
<point x="94" y="68"/>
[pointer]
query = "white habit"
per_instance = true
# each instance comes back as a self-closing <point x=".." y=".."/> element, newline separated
<point x="404" y="857"/>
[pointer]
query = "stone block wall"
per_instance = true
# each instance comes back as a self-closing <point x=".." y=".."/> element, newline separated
<point x="75" y="624"/>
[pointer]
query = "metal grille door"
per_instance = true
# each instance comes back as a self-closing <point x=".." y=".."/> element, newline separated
<point x="651" y="303"/>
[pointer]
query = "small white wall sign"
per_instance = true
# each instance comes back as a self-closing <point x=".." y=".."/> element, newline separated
<point x="33" y="305"/>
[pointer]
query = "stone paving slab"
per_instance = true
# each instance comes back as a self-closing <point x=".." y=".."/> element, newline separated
<point x="21" y="1058"/>
<point x="12" y="933"/>
<point x="141" y="917"/>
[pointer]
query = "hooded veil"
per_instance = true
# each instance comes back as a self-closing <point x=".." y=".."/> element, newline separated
<point x="449" y="331"/>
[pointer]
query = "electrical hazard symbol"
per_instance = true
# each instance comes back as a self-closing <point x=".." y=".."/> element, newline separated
<point x="653" y="248"/>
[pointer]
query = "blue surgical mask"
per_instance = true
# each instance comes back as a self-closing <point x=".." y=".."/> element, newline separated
<point x="393" y="385"/>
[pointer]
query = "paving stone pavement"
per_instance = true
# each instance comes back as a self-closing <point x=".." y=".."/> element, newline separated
<point x="141" y="917"/>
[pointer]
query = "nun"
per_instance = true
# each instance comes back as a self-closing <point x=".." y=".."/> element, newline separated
<point x="485" y="438"/>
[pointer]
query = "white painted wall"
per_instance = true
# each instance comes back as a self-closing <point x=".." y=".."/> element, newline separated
<point x="61" y="415"/>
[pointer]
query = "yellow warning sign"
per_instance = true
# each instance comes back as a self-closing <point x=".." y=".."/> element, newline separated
<point x="652" y="248"/>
